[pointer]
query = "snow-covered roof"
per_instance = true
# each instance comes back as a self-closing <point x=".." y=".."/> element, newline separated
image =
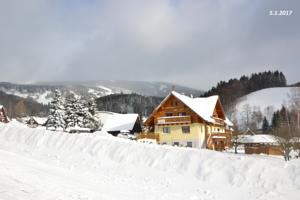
<point x="40" y="120"/>
<point x="228" y="122"/>
<point x="204" y="106"/>
<point x="118" y="122"/>
<point x="261" y="138"/>
<point x="103" y="115"/>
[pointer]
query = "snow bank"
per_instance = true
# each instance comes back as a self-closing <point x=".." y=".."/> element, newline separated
<point x="95" y="151"/>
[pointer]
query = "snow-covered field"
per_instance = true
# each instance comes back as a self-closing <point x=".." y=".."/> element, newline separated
<point x="39" y="164"/>
<point x="268" y="100"/>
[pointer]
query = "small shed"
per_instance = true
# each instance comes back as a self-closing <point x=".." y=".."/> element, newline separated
<point x="34" y="122"/>
<point x="115" y="123"/>
<point x="260" y="144"/>
<point x="3" y="115"/>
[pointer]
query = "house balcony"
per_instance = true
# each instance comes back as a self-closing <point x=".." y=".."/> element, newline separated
<point x="174" y="120"/>
<point x="218" y="132"/>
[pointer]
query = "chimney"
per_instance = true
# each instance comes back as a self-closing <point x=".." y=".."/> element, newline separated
<point x="173" y="87"/>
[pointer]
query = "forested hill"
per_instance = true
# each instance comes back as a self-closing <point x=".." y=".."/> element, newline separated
<point x="128" y="103"/>
<point x="19" y="107"/>
<point x="231" y="90"/>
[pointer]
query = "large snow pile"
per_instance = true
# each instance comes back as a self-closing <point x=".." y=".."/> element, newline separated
<point x="99" y="166"/>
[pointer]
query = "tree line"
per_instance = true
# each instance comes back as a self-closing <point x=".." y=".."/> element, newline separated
<point x="230" y="91"/>
<point x="20" y="107"/>
<point x="128" y="103"/>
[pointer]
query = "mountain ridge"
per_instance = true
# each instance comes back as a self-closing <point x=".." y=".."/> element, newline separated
<point x="94" y="89"/>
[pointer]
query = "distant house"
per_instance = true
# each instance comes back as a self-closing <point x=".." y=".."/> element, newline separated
<point x="115" y="123"/>
<point x="193" y="122"/>
<point x="260" y="144"/>
<point x="3" y="115"/>
<point x="34" y="122"/>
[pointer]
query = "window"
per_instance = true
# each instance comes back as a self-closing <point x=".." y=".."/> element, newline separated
<point x="185" y="129"/>
<point x="189" y="144"/>
<point x="166" y="130"/>
<point x="175" y="143"/>
<point x="182" y="114"/>
<point x="169" y="114"/>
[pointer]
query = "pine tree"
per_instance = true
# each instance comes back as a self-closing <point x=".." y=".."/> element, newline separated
<point x="275" y="120"/>
<point x="70" y="111"/>
<point x="265" y="126"/>
<point x="89" y="120"/>
<point x="57" y="112"/>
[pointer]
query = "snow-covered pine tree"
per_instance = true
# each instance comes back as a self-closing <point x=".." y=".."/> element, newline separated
<point x="79" y="106"/>
<point x="70" y="111"/>
<point x="265" y="126"/>
<point x="92" y="106"/>
<point x="57" y="112"/>
<point x="90" y="120"/>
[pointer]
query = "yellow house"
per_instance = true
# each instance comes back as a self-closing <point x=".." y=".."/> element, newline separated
<point x="193" y="122"/>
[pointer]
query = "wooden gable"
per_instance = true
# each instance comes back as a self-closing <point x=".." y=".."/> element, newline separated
<point x="218" y="111"/>
<point x="172" y="106"/>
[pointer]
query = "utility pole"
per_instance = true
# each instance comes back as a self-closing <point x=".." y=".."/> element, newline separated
<point x="173" y="87"/>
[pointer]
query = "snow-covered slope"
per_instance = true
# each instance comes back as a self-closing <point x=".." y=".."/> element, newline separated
<point x="147" y="88"/>
<point x="42" y="92"/>
<point x="36" y="163"/>
<point x="40" y="97"/>
<point x="268" y="100"/>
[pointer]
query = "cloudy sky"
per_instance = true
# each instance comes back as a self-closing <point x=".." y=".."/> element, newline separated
<point x="195" y="43"/>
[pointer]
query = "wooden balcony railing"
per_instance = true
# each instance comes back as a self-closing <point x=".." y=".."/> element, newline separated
<point x="174" y="120"/>
<point x="219" y="121"/>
